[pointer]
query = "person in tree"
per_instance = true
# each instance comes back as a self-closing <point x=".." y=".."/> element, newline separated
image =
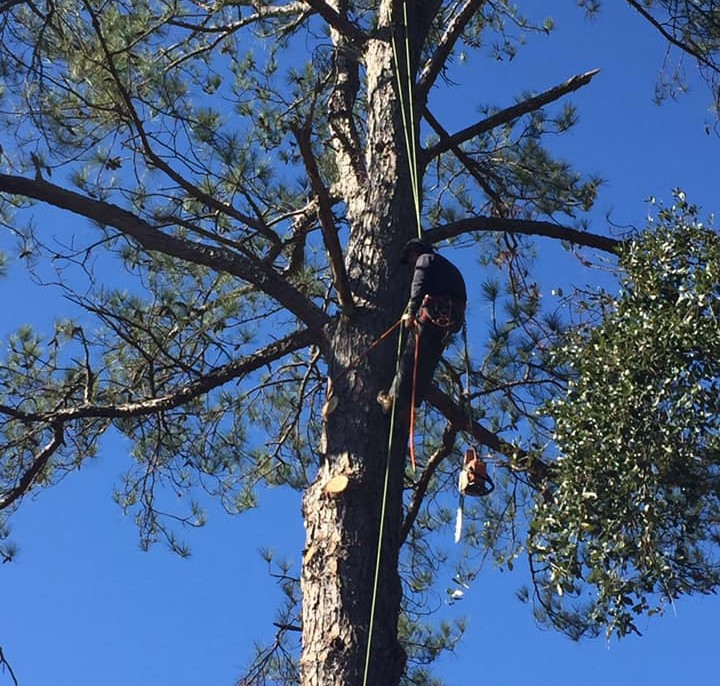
<point x="435" y="311"/>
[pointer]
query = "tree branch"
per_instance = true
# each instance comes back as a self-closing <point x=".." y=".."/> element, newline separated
<point x="524" y="226"/>
<point x="340" y="108"/>
<point x="509" y="114"/>
<point x="190" y="188"/>
<point x="670" y="38"/>
<point x="338" y="22"/>
<point x="38" y="464"/>
<point x="453" y="31"/>
<point x="327" y="222"/>
<point x="107" y="214"/>
<point x="262" y="13"/>
<point x="4" y="664"/>
<point x="217" y="377"/>
<point x="4" y="7"/>
<point x="208" y="382"/>
<point x="467" y="161"/>
<point x="519" y="460"/>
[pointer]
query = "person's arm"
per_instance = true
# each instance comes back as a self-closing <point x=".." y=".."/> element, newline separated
<point x="418" y="287"/>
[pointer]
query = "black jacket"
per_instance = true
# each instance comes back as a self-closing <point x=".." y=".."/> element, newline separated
<point x="435" y="275"/>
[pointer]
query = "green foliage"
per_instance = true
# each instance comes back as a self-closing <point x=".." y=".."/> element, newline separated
<point x="635" y="511"/>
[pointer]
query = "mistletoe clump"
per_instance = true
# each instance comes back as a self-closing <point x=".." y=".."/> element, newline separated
<point x="634" y="520"/>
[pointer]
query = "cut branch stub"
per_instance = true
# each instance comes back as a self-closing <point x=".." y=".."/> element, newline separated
<point x="337" y="484"/>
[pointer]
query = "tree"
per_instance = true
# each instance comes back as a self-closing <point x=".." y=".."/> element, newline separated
<point x="251" y="173"/>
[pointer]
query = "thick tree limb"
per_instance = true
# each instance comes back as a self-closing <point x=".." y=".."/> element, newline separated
<point x="262" y="12"/>
<point x="518" y="459"/>
<point x="217" y="377"/>
<point x="434" y="65"/>
<point x="341" y="106"/>
<point x="524" y="226"/>
<point x="509" y="114"/>
<point x="338" y="21"/>
<point x="327" y="223"/>
<point x="150" y="238"/>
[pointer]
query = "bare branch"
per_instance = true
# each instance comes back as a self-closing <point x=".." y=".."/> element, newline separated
<point x="510" y="113"/>
<point x="327" y="222"/>
<point x="448" y="441"/>
<point x="685" y="46"/>
<point x="524" y="226"/>
<point x="107" y="214"/>
<point x="453" y="31"/>
<point x="4" y="664"/>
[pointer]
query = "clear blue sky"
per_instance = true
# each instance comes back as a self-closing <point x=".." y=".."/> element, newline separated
<point x="82" y="605"/>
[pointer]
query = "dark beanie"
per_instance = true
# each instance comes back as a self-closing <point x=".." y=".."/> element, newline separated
<point x="414" y="245"/>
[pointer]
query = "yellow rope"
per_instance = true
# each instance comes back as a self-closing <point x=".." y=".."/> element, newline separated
<point x="408" y="121"/>
<point x="381" y="527"/>
<point x="407" y="112"/>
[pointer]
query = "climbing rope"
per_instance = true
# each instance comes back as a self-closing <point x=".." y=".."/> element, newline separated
<point x="407" y="112"/>
<point x="381" y="526"/>
<point x="413" y="396"/>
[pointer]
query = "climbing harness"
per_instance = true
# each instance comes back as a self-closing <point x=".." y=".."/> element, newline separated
<point x="445" y="314"/>
<point x="441" y="312"/>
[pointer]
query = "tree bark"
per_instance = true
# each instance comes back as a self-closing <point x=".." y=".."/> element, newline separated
<point x="344" y="548"/>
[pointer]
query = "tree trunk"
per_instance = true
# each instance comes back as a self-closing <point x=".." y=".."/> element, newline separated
<point x="339" y="566"/>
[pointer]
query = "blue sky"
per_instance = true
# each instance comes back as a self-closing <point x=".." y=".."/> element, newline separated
<point x="83" y="605"/>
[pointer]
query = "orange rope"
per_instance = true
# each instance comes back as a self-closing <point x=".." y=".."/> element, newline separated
<point x="354" y="363"/>
<point x="412" y="399"/>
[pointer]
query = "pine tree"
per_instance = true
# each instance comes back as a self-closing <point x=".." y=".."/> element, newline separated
<point x="241" y="179"/>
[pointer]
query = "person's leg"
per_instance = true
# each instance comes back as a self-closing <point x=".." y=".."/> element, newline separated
<point x="401" y="386"/>
<point x="431" y="346"/>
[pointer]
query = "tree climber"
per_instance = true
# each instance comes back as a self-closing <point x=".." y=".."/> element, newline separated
<point x="435" y="311"/>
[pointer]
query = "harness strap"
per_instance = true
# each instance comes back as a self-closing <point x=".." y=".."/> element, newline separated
<point x="442" y="312"/>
